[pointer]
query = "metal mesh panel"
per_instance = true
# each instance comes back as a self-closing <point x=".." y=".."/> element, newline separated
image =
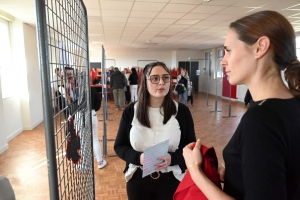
<point x="63" y="53"/>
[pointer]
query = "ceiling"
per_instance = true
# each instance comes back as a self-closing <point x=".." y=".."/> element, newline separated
<point x="159" y="25"/>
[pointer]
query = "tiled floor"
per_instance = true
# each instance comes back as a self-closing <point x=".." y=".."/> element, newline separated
<point x="24" y="163"/>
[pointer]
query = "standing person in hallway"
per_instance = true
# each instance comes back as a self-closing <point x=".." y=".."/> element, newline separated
<point x="262" y="159"/>
<point x="191" y="93"/>
<point x="155" y="118"/>
<point x="184" y="80"/>
<point x="133" y="82"/>
<point x="57" y="79"/>
<point x="117" y="83"/>
<point x="96" y="104"/>
<point x="127" y="95"/>
<point x="111" y="70"/>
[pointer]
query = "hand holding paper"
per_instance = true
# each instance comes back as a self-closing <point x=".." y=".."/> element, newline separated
<point x="151" y="155"/>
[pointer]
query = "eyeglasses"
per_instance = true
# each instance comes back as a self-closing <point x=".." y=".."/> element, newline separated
<point x="156" y="78"/>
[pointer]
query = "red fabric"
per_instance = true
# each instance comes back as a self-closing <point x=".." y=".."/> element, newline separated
<point x="187" y="189"/>
<point x="226" y="87"/>
<point x="93" y="74"/>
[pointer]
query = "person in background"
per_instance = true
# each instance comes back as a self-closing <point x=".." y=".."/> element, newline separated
<point x="262" y="159"/>
<point x="93" y="74"/>
<point x="133" y="82"/>
<point x="156" y="117"/>
<point x="97" y="80"/>
<point x="191" y="93"/>
<point x="59" y="90"/>
<point x="126" y="88"/>
<point x="126" y="73"/>
<point x="128" y="94"/>
<point x="96" y="104"/>
<point x="117" y="83"/>
<point x="111" y="70"/>
<point x="62" y="98"/>
<point x="57" y="79"/>
<point x="184" y="80"/>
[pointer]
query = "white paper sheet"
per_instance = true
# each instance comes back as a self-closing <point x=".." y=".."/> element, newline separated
<point x="151" y="155"/>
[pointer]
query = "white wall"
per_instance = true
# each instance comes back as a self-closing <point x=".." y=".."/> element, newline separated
<point x="33" y="105"/>
<point x="241" y="92"/>
<point x="129" y="59"/>
<point x="183" y="55"/>
<point x="174" y="58"/>
<point x="3" y="140"/>
<point x="12" y="105"/>
<point x="23" y="110"/>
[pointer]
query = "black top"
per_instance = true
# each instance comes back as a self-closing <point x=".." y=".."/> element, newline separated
<point x="133" y="78"/>
<point x="125" y="151"/>
<point x="95" y="99"/>
<point x="183" y="81"/>
<point x="263" y="156"/>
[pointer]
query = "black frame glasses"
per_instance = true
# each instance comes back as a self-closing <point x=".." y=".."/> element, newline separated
<point x="155" y="79"/>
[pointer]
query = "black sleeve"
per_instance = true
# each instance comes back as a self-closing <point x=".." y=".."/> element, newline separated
<point x="186" y="124"/>
<point x="122" y="144"/>
<point x="263" y="156"/>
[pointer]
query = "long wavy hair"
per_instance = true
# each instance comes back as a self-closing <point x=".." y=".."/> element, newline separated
<point x="134" y="73"/>
<point x="168" y="106"/>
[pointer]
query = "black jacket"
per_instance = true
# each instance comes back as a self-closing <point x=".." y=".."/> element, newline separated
<point x="117" y="80"/>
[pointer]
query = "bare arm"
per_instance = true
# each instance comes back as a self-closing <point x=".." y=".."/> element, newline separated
<point x="193" y="159"/>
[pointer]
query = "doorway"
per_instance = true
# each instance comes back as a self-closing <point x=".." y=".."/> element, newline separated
<point x="192" y="71"/>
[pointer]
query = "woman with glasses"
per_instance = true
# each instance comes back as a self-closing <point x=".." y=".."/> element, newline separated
<point x="155" y="118"/>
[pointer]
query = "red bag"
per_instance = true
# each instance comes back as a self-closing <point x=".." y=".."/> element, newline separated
<point x="187" y="189"/>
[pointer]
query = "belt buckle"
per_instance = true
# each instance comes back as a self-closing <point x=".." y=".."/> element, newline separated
<point x="157" y="175"/>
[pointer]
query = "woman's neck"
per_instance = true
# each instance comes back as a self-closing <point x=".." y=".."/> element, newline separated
<point x="271" y="87"/>
<point x="156" y="102"/>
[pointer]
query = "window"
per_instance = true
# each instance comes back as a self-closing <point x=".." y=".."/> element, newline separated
<point x="208" y="57"/>
<point x="6" y="71"/>
<point x="219" y="68"/>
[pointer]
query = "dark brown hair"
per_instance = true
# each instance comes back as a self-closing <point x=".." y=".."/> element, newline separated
<point x="282" y="42"/>
<point x="168" y="104"/>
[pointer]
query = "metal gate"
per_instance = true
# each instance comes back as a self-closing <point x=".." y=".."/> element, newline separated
<point x="62" y="31"/>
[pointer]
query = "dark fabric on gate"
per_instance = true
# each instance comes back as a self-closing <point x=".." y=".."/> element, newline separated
<point x="73" y="143"/>
<point x="187" y="189"/>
